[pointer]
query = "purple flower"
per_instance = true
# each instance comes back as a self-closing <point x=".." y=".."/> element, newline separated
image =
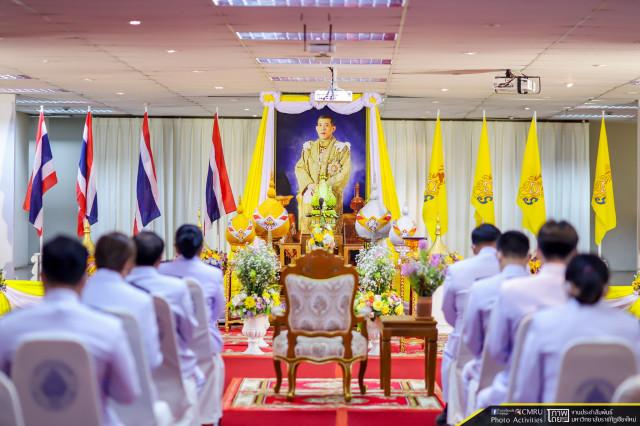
<point x="422" y="245"/>
<point x="409" y="268"/>
<point x="435" y="261"/>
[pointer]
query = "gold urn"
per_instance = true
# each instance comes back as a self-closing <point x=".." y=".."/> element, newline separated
<point x="240" y="230"/>
<point x="271" y="216"/>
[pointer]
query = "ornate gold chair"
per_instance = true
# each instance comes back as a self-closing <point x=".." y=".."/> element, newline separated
<point x="319" y="291"/>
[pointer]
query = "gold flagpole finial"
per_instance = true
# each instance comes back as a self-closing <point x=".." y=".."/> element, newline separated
<point x="86" y="239"/>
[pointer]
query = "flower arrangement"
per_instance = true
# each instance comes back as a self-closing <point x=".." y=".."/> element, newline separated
<point x="248" y="306"/>
<point x="387" y="303"/>
<point x="426" y="273"/>
<point x="3" y="285"/>
<point x="91" y="265"/>
<point x="215" y="258"/>
<point x="636" y="283"/>
<point x="257" y="269"/>
<point x="376" y="269"/>
<point x="534" y="265"/>
<point x="321" y="237"/>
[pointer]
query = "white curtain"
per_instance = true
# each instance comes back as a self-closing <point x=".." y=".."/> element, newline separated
<point x="564" y="154"/>
<point x="180" y="149"/>
<point x="181" y="152"/>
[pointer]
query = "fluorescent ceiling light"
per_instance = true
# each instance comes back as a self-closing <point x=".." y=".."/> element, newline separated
<point x="7" y="90"/>
<point x="312" y="61"/>
<point x="50" y="102"/>
<point x="78" y="111"/>
<point x="14" y="77"/>
<point x="594" y="116"/>
<point x="310" y="3"/>
<point x="311" y="37"/>
<point x="343" y="80"/>
<point x="606" y="107"/>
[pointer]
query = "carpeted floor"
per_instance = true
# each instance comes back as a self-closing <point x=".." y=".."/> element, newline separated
<point x="322" y="402"/>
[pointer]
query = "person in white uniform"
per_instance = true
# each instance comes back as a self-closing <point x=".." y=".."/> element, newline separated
<point x="551" y="330"/>
<point x="64" y="261"/>
<point x="115" y="257"/>
<point x="513" y="256"/>
<point x="519" y="297"/>
<point x="189" y="245"/>
<point x="458" y="280"/>
<point x="149" y="249"/>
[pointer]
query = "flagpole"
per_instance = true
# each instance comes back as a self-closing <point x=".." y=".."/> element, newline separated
<point x="600" y="245"/>
<point x="42" y="230"/>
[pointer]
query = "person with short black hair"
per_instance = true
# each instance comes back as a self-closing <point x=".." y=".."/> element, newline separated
<point x="458" y="280"/>
<point x="189" y="245"/>
<point x="149" y="248"/>
<point x="557" y="242"/>
<point x="585" y="315"/>
<point x="64" y="262"/>
<point x="115" y="257"/>
<point x="513" y="256"/>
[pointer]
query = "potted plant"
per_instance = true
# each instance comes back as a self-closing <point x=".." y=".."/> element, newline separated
<point x="377" y="271"/>
<point x="257" y="269"/>
<point x="425" y="275"/>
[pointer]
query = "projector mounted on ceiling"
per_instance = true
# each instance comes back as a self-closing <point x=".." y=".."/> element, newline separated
<point x="516" y="84"/>
<point x="334" y="94"/>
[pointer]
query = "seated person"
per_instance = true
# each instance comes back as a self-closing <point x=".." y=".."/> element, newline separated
<point x="64" y="261"/>
<point x="513" y="256"/>
<point x="115" y="256"/>
<point x="557" y="242"/>
<point x="585" y="315"/>
<point x="149" y="248"/>
<point x="189" y="244"/>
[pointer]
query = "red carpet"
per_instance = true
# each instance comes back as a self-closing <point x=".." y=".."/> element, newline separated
<point x="321" y="402"/>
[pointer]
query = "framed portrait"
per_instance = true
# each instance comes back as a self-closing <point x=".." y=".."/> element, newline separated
<point x="319" y="143"/>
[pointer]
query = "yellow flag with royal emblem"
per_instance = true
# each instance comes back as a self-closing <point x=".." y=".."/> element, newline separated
<point x="435" y="192"/>
<point x="530" y="190"/>
<point x="602" y="200"/>
<point x="482" y="192"/>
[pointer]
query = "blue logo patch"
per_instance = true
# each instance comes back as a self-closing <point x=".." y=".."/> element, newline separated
<point x="54" y="386"/>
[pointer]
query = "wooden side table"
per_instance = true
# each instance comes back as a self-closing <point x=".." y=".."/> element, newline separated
<point x="406" y="326"/>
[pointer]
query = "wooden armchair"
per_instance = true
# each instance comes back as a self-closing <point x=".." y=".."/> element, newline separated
<point x="319" y="291"/>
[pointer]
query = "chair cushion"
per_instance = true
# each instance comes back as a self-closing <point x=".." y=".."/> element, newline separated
<point x="320" y="305"/>
<point x="320" y="348"/>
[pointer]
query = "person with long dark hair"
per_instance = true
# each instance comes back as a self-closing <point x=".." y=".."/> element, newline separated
<point x="585" y="315"/>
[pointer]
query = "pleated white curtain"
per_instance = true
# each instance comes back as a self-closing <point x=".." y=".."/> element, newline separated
<point x="181" y="152"/>
<point x="564" y="154"/>
<point x="181" y="149"/>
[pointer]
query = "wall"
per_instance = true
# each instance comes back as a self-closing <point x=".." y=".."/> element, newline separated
<point x="22" y="168"/>
<point x="619" y="244"/>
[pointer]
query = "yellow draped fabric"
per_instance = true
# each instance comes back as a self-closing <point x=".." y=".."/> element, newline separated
<point x="389" y="196"/>
<point x="618" y="291"/>
<point x="602" y="200"/>
<point x="482" y="192"/>
<point x="435" y="192"/>
<point x="34" y="288"/>
<point x="251" y="196"/>
<point x="530" y="191"/>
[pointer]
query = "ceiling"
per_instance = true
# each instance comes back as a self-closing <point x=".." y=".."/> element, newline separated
<point x="88" y="54"/>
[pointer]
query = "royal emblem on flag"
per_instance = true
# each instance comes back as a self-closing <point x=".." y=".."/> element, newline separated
<point x="531" y="190"/>
<point x="434" y="182"/>
<point x="600" y="186"/>
<point x="483" y="190"/>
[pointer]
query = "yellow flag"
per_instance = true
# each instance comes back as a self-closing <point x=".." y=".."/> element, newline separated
<point x="602" y="200"/>
<point x="482" y="192"/>
<point x="530" y="191"/>
<point x="435" y="192"/>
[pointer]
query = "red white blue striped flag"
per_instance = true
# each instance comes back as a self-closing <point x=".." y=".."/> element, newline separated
<point x="43" y="177"/>
<point x="148" y="202"/>
<point x="86" y="192"/>
<point x="219" y="196"/>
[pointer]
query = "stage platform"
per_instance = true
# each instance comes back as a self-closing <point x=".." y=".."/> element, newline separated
<point x="249" y="396"/>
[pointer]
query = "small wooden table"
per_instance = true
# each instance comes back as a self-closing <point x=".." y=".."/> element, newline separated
<point x="407" y="326"/>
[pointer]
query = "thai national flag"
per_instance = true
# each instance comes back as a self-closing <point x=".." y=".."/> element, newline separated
<point x="218" y="189"/>
<point x="148" y="203"/>
<point x="43" y="177"/>
<point x="86" y="192"/>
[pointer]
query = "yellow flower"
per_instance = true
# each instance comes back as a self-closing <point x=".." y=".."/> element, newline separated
<point x="249" y="302"/>
<point x="318" y="237"/>
<point x="377" y="305"/>
<point x="399" y="310"/>
<point x="385" y="310"/>
<point x="360" y="306"/>
<point x="276" y="299"/>
<point x="266" y="295"/>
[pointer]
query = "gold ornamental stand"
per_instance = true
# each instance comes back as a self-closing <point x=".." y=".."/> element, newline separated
<point x="227" y="296"/>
